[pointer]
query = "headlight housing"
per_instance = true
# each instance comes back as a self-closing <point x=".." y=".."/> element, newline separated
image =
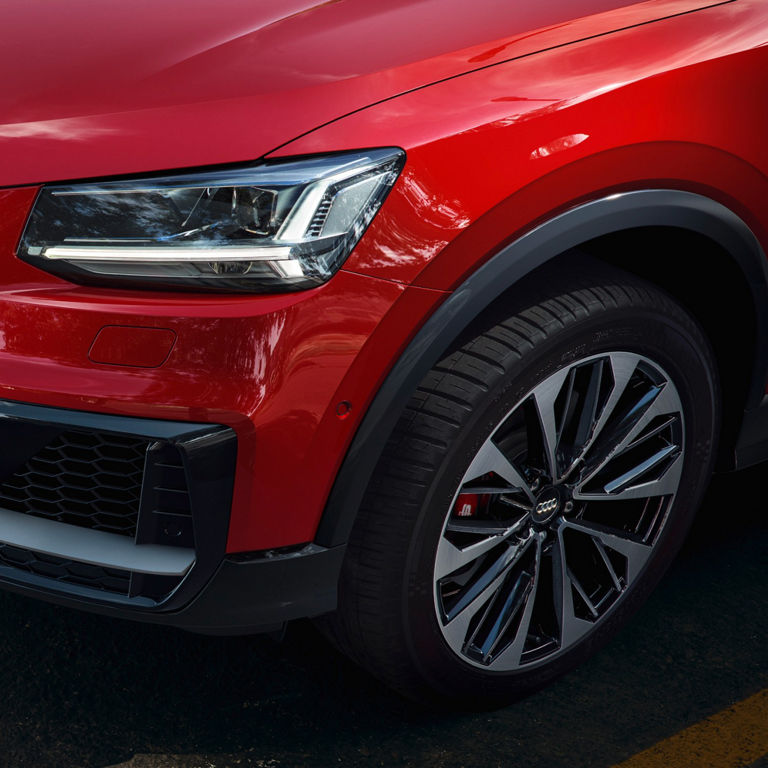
<point x="278" y="226"/>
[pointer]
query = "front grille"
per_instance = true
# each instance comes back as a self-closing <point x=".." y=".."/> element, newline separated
<point x="90" y="479"/>
<point x="67" y="571"/>
<point x="107" y="494"/>
<point x="97" y="480"/>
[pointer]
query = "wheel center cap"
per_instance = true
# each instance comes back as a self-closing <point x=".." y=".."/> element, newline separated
<point x="549" y="502"/>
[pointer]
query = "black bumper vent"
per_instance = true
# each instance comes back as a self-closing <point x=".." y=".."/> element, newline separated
<point x="67" y="571"/>
<point x="90" y="479"/>
<point x="158" y="483"/>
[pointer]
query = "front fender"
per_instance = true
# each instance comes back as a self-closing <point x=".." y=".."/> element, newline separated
<point x="581" y="223"/>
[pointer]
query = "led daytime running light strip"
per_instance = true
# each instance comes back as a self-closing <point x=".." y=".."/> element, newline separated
<point x="168" y="254"/>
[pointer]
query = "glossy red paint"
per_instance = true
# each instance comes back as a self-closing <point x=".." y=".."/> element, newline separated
<point x="499" y="141"/>
<point x="165" y="85"/>
<point x="643" y="107"/>
<point x="132" y="346"/>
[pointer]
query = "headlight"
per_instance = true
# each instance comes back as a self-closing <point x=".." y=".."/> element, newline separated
<point x="273" y="227"/>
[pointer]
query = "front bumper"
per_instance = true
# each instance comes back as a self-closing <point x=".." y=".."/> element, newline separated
<point x="264" y="373"/>
<point x="130" y="517"/>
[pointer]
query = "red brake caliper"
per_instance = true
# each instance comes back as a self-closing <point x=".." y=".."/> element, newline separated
<point x="468" y="504"/>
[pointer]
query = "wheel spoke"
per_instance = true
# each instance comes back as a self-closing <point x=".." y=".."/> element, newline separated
<point x="545" y="396"/>
<point x="662" y="401"/>
<point x="450" y="557"/>
<point x="482" y="590"/>
<point x="571" y="627"/>
<point x="493" y="528"/>
<point x="653" y="432"/>
<point x="633" y="550"/>
<point x="490" y="459"/>
<point x="622" y="366"/>
<point x="457" y="628"/>
<point x="513" y="602"/>
<point x="510" y="657"/>
<point x="481" y="489"/>
<point x="624" y="481"/>
<point x="617" y="585"/>
<point x="589" y="408"/>
<point x="621" y="488"/>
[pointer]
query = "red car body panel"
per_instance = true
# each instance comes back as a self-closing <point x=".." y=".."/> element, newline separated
<point x="501" y="140"/>
<point x="164" y="86"/>
<point x="485" y="170"/>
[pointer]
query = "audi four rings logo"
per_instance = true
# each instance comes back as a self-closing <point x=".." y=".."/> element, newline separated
<point x="546" y="506"/>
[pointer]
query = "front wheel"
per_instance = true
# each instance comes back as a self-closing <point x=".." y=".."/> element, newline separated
<point x="538" y="484"/>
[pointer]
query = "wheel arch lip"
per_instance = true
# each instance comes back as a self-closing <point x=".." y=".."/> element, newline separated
<point x="606" y="215"/>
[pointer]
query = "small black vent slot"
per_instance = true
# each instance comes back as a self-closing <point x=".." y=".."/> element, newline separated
<point x="166" y="511"/>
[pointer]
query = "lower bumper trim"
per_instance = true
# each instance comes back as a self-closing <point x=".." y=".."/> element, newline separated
<point x="244" y="596"/>
<point x="109" y="550"/>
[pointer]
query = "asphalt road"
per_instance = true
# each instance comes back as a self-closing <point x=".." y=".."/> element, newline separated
<point x="80" y="690"/>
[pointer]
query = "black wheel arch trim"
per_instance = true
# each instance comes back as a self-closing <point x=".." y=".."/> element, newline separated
<point x="622" y="211"/>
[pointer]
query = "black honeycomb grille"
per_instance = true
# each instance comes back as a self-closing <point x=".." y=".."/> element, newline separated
<point x="89" y="479"/>
<point x="68" y="571"/>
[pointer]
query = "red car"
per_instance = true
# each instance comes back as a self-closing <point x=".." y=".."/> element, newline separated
<point x="429" y="318"/>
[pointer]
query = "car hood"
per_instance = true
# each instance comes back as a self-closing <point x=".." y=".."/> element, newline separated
<point x="94" y="89"/>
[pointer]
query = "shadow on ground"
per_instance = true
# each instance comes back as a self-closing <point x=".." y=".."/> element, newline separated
<point x="81" y="690"/>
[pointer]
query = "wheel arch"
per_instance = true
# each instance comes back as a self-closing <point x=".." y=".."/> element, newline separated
<point x="588" y="223"/>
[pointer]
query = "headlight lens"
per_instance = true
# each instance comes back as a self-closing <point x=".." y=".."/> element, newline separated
<point x="274" y="227"/>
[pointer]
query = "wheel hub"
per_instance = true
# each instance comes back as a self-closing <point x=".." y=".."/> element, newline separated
<point x="549" y="503"/>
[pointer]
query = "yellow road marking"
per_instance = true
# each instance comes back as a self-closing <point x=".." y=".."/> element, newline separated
<point x="733" y="738"/>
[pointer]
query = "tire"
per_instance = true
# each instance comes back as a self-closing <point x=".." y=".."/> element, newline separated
<point x="536" y="487"/>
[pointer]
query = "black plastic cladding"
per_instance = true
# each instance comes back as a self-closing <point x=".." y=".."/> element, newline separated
<point x="199" y="459"/>
<point x="616" y="213"/>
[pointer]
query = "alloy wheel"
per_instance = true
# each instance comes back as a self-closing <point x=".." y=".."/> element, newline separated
<point x="559" y="511"/>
